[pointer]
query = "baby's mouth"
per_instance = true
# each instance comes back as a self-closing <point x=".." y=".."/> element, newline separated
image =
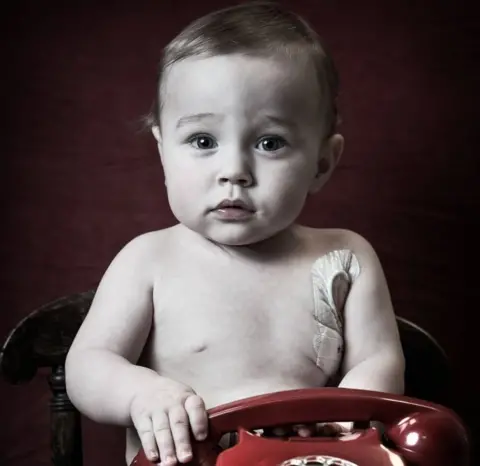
<point x="235" y="209"/>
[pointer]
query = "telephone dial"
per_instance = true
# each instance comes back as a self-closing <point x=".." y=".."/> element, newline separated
<point x="414" y="432"/>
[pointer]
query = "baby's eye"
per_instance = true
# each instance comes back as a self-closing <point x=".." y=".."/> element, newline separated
<point x="202" y="142"/>
<point x="272" y="144"/>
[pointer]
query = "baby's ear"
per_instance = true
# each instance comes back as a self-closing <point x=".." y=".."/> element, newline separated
<point x="330" y="154"/>
<point x="158" y="137"/>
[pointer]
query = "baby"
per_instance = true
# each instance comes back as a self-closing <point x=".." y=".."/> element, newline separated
<point x="237" y="299"/>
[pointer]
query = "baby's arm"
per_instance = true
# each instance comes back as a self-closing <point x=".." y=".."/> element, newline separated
<point x="100" y="375"/>
<point x="374" y="357"/>
<point x="102" y="379"/>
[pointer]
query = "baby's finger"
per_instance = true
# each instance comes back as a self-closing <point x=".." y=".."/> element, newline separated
<point x="345" y="427"/>
<point x="328" y="429"/>
<point x="143" y="426"/>
<point x="350" y="436"/>
<point x="197" y="415"/>
<point x="163" y="437"/>
<point x="304" y="430"/>
<point x="180" y="429"/>
<point x="334" y="428"/>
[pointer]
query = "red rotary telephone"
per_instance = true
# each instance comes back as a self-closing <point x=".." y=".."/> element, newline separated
<point x="417" y="433"/>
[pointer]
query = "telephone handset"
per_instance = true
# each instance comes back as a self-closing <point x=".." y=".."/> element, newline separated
<point x="417" y="433"/>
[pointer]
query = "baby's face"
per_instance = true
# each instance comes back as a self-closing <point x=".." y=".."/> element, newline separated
<point x="242" y="129"/>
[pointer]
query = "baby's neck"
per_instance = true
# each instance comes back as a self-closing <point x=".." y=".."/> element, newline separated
<point x="272" y="249"/>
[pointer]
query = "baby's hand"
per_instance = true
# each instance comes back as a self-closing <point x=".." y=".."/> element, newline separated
<point x="324" y="429"/>
<point x="341" y="430"/>
<point x="163" y="418"/>
<point x="333" y="429"/>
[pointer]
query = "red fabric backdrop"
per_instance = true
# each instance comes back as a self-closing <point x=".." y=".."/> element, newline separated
<point x="78" y="179"/>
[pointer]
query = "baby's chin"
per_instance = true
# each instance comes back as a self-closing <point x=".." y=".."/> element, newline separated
<point x="237" y="240"/>
<point x="272" y="242"/>
<point x="237" y="235"/>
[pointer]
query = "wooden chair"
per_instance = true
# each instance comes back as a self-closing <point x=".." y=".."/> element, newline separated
<point x="42" y="340"/>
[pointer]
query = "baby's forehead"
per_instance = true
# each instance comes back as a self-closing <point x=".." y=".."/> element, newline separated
<point x="223" y="82"/>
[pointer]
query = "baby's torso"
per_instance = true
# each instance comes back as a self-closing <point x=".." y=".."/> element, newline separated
<point x="228" y="326"/>
<point x="233" y="328"/>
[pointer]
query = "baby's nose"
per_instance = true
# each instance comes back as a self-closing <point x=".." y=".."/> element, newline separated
<point x="236" y="169"/>
<point x="244" y="179"/>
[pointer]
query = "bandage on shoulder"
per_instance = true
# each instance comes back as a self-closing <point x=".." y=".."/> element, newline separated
<point x="332" y="277"/>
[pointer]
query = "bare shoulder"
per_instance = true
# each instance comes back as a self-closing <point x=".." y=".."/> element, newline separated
<point x="324" y="240"/>
<point x="360" y="247"/>
<point x="120" y="315"/>
<point x="143" y="253"/>
<point x="147" y="243"/>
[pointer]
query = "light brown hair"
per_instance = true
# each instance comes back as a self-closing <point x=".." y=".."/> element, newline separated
<point x="253" y="28"/>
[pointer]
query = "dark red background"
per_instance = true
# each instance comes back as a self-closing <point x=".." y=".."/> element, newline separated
<point x="78" y="180"/>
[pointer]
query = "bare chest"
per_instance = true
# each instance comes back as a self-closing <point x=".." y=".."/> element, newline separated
<point x="258" y="316"/>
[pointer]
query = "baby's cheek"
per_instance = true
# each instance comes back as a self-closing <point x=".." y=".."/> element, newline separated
<point x="286" y="199"/>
